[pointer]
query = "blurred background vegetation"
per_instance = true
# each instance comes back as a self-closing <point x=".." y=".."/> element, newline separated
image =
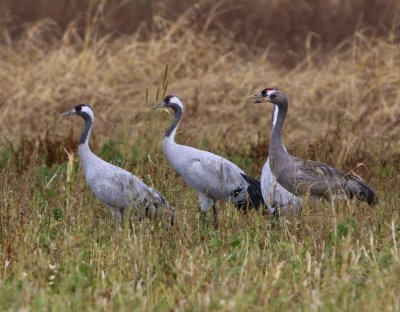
<point x="286" y="28"/>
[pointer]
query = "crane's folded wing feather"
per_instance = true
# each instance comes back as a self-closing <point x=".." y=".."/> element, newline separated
<point x="314" y="177"/>
<point x="209" y="173"/>
<point x="322" y="180"/>
<point x="119" y="189"/>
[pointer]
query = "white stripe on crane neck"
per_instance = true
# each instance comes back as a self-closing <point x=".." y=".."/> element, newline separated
<point x="276" y="110"/>
<point x="274" y="119"/>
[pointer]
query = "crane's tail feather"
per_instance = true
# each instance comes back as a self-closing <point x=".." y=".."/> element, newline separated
<point x="161" y="204"/>
<point x="356" y="187"/>
<point x="254" y="192"/>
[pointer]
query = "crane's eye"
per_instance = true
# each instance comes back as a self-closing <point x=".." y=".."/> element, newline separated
<point x="272" y="96"/>
<point x="167" y="99"/>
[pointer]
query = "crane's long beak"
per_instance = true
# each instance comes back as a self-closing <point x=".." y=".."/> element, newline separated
<point x="159" y="105"/>
<point x="257" y="98"/>
<point x="70" y="112"/>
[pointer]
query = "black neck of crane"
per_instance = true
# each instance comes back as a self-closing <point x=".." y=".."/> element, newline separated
<point x="177" y="118"/>
<point x="86" y="129"/>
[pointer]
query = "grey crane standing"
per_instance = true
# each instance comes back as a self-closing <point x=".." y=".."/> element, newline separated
<point x="212" y="176"/>
<point x="277" y="198"/>
<point x="114" y="186"/>
<point x="300" y="176"/>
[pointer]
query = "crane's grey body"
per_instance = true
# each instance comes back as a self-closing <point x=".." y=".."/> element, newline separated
<point x="112" y="185"/>
<point x="212" y="176"/>
<point x="275" y="195"/>
<point x="117" y="187"/>
<point x="300" y="176"/>
<point x="209" y="174"/>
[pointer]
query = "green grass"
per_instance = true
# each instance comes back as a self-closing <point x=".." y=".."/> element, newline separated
<point x="61" y="251"/>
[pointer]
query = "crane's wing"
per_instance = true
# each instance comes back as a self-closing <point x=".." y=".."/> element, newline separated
<point x="303" y="176"/>
<point x="118" y="189"/>
<point x="356" y="187"/>
<point x="211" y="173"/>
<point x="322" y="180"/>
<point x="156" y="198"/>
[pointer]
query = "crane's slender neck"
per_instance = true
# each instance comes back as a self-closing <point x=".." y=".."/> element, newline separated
<point x="274" y="116"/>
<point x="276" y="147"/>
<point x="84" y="140"/>
<point x="171" y="131"/>
<point x="85" y="154"/>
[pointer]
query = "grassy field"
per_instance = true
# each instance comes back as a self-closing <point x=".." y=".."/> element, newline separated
<point x="60" y="250"/>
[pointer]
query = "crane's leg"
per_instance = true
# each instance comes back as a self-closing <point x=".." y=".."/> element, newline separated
<point x="203" y="218"/>
<point x="117" y="214"/>
<point x="215" y="215"/>
<point x="205" y="201"/>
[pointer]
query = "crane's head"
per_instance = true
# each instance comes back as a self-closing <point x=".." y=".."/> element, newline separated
<point x="271" y="95"/>
<point x="170" y="101"/>
<point x="83" y="110"/>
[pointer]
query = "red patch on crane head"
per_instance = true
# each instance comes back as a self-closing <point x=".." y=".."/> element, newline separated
<point x="266" y="90"/>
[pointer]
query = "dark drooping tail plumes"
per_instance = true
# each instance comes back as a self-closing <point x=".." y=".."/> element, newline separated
<point x="358" y="188"/>
<point x="254" y="191"/>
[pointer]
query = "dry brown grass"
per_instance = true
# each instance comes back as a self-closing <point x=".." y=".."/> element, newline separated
<point x="60" y="250"/>
<point x="258" y="23"/>
<point x="356" y="84"/>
